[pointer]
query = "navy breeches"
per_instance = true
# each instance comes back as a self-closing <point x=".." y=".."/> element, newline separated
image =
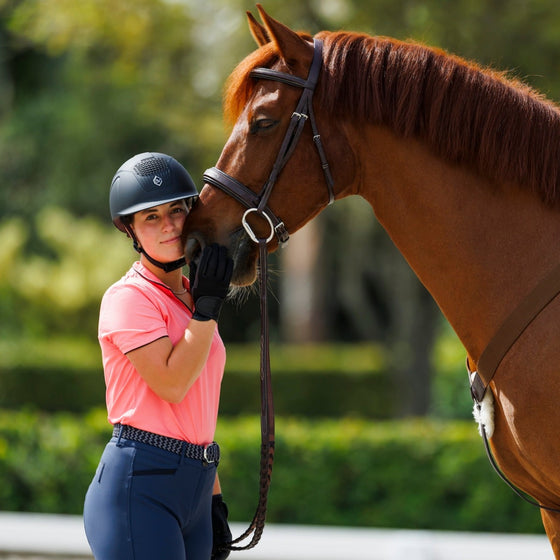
<point x="145" y="503"/>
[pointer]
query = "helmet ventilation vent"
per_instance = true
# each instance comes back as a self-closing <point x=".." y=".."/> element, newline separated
<point x="150" y="166"/>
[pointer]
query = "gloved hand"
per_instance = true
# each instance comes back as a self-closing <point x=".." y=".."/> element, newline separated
<point x="220" y="528"/>
<point x="209" y="282"/>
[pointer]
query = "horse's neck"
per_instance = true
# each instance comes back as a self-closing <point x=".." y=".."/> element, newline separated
<point x="478" y="247"/>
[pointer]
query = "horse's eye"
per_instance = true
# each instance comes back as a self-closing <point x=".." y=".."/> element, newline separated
<point x="262" y="125"/>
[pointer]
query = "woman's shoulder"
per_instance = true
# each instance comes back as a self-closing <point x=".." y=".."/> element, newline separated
<point x="129" y="301"/>
<point x="130" y="285"/>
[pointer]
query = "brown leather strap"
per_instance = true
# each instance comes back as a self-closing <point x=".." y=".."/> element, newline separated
<point x="511" y="330"/>
<point x="258" y="203"/>
<point x="256" y="526"/>
<point x="303" y="112"/>
<point x="245" y="196"/>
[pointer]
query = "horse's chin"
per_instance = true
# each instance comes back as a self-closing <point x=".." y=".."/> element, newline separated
<point x="245" y="254"/>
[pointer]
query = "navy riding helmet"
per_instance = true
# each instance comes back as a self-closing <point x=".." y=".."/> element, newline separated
<point x="144" y="181"/>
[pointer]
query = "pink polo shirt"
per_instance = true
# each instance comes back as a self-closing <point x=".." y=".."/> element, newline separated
<point x="135" y="311"/>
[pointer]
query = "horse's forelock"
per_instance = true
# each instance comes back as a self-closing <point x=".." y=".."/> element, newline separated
<point x="240" y="85"/>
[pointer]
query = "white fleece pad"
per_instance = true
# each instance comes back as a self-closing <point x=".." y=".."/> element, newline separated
<point x="484" y="414"/>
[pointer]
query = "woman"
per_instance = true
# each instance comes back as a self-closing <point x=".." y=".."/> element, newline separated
<point x="155" y="494"/>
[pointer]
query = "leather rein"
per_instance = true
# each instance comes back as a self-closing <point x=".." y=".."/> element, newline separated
<point x="257" y="203"/>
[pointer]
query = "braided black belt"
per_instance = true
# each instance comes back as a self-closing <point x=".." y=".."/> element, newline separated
<point x="208" y="454"/>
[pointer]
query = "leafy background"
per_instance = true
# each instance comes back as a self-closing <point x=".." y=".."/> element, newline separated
<point x="85" y="85"/>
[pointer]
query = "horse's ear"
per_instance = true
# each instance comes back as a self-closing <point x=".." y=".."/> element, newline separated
<point x="290" y="44"/>
<point x="258" y="31"/>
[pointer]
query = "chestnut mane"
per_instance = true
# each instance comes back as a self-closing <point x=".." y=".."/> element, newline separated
<point x="467" y="114"/>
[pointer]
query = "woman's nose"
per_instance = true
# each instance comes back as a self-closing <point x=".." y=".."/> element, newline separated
<point x="167" y="222"/>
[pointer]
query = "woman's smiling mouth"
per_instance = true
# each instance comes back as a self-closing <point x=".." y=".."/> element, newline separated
<point x="172" y="241"/>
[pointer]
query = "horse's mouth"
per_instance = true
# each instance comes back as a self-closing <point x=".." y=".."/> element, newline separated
<point x="242" y="250"/>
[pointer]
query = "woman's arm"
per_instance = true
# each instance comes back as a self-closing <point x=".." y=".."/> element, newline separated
<point x="217" y="487"/>
<point x="169" y="370"/>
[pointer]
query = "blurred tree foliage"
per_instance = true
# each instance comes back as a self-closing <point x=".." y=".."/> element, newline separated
<point x="85" y="85"/>
<point x="58" y="292"/>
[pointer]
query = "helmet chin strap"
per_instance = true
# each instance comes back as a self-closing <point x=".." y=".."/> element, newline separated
<point x="166" y="267"/>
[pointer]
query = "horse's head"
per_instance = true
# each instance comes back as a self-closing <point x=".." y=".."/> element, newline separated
<point x="262" y="107"/>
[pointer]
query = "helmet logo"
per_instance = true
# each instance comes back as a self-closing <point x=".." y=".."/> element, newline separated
<point x="158" y="181"/>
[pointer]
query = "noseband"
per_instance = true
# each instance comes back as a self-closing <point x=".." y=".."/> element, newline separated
<point x="304" y="111"/>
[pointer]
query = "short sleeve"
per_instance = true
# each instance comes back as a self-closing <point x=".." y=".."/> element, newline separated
<point x="129" y="319"/>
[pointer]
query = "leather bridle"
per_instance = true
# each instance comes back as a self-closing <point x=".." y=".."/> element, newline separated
<point x="303" y="112"/>
<point x="257" y="203"/>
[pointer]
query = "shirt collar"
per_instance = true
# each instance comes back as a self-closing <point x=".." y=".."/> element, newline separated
<point x="148" y="275"/>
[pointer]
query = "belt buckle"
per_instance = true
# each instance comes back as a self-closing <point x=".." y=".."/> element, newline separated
<point x="208" y="460"/>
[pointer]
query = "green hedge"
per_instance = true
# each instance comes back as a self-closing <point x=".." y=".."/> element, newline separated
<point x="347" y="472"/>
<point x="407" y="474"/>
<point x="312" y="381"/>
<point x="52" y="375"/>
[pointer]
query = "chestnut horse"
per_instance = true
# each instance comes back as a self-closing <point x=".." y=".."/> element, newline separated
<point x="461" y="167"/>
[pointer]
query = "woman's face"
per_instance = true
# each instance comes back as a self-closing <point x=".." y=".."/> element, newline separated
<point x="158" y="230"/>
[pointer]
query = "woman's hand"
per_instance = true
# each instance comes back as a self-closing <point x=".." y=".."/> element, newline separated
<point x="220" y="528"/>
<point x="209" y="282"/>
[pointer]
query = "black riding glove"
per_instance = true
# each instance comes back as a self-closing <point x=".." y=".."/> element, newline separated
<point x="210" y="282"/>
<point x="220" y="528"/>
